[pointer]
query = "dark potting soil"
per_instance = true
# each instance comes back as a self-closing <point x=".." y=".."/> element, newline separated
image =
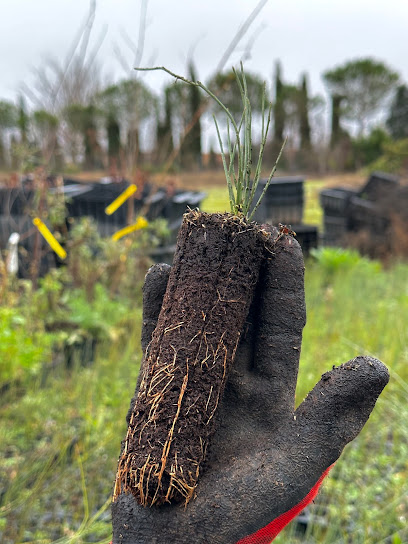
<point x="210" y="288"/>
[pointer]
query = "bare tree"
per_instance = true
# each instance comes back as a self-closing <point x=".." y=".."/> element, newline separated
<point x="59" y="84"/>
<point x="73" y="80"/>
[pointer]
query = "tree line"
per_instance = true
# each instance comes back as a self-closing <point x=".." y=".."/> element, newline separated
<point x="81" y="124"/>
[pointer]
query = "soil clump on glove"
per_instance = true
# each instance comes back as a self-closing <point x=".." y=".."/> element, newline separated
<point x="211" y="285"/>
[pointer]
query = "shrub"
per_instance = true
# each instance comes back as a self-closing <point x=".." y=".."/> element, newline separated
<point x="394" y="158"/>
<point x="24" y="345"/>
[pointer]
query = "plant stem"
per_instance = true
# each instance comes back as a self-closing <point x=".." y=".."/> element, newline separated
<point x="241" y="187"/>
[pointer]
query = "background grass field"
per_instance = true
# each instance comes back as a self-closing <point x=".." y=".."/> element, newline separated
<point x="60" y="433"/>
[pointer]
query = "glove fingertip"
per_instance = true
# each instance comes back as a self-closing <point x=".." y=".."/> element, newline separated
<point x="154" y="289"/>
<point x="340" y="404"/>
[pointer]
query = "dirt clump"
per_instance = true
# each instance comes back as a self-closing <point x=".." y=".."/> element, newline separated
<point x="210" y="288"/>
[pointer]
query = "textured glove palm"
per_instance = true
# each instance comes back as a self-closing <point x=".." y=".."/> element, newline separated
<point x="264" y="457"/>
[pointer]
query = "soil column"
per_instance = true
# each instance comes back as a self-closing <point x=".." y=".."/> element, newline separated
<point x="210" y="288"/>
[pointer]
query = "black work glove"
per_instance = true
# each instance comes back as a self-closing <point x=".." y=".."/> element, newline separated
<point x="264" y="457"/>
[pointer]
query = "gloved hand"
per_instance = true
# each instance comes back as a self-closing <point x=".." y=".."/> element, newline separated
<point x="264" y="457"/>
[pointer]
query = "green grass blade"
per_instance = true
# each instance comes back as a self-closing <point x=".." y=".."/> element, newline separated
<point x="226" y="169"/>
<point x="268" y="182"/>
<point x="261" y="152"/>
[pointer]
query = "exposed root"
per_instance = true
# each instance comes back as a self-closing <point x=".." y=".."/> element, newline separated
<point x="187" y="364"/>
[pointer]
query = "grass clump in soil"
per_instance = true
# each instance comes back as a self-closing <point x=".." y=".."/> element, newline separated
<point x="211" y="285"/>
<point x="237" y="158"/>
<point x="191" y="352"/>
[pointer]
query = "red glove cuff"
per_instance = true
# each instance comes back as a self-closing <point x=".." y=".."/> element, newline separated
<point x="270" y="531"/>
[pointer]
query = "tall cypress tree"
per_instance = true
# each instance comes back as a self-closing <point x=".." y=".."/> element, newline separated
<point x="397" y="122"/>
<point x="90" y="135"/>
<point x="335" y="119"/>
<point x="165" y="143"/>
<point x="191" y="146"/>
<point x="195" y="105"/>
<point x="113" y="134"/>
<point x="279" y="107"/>
<point x="8" y="119"/>
<point x="304" y="125"/>
<point x="22" y="120"/>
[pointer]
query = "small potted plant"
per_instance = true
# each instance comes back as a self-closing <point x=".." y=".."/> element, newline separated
<point x="211" y="285"/>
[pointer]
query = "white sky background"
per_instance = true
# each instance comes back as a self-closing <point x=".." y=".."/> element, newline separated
<point x="305" y="35"/>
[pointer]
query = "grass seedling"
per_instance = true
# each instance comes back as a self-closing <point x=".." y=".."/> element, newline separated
<point x="242" y="182"/>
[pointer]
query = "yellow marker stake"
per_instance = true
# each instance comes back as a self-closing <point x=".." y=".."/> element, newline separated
<point x="141" y="223"/>
<point x="121" y="199"/>
<point x="54" y="244"/>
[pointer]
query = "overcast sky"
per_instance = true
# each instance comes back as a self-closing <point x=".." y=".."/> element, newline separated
<point x="305" y="35"/>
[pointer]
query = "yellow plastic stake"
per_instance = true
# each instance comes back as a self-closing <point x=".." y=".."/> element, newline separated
<point x="141" y="223"/>
<point x="50" y="238"/>
<point x="120" y="199"/>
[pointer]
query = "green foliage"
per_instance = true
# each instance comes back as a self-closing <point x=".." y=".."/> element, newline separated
<point x="190" y="150"/>
<point x="124" y="106"/>
<point x="304" y="125"/>
<point x="278" y="108"/>
<point x="242" y="184"/>
<point x="397" y="122"/>
<point x="394" y="158"/>
<point x="24" y="346"/>
<point x="23" y="120"/>
<point x="8" y="114"/>
<point x="80" y="117"/>
<point x="59" y="446"/>
<point x="292" y="110"/>
<point x="224" y="85"/>
<point x="82" y="120"/>
<point x="182" y="111"/>
<point x="165" y="144"/>
<point x="118" y="265"/>
<point x="24" y="155"/>
<point x="45" y="121"/>
<point x="137" y="102"/>
<point x="217" y="201"/>
<point x="337" y="132"/>
<point x="102" y="318"/>
<point x="367" y="149"/>
<point x="363" y="84"/>
<point x="45" y="132"/>
<point x="333" y="261"/>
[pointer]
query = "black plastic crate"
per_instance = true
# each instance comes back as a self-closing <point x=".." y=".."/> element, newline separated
<point x="15" y="201"/>
<point x="288" y="186"/>
<point x="307" y="236"/>
<point x="283" y="201"/>
<point x="286" y="213"/>
<point x="92" y="199"/>
<point x="335" y="202"/>
<point x="155" y="205"/>
<point x="379" y="185"/>
<point x="181" y="201"/>
<point x="365" y="214"/>
<point x="334" y="228"/>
